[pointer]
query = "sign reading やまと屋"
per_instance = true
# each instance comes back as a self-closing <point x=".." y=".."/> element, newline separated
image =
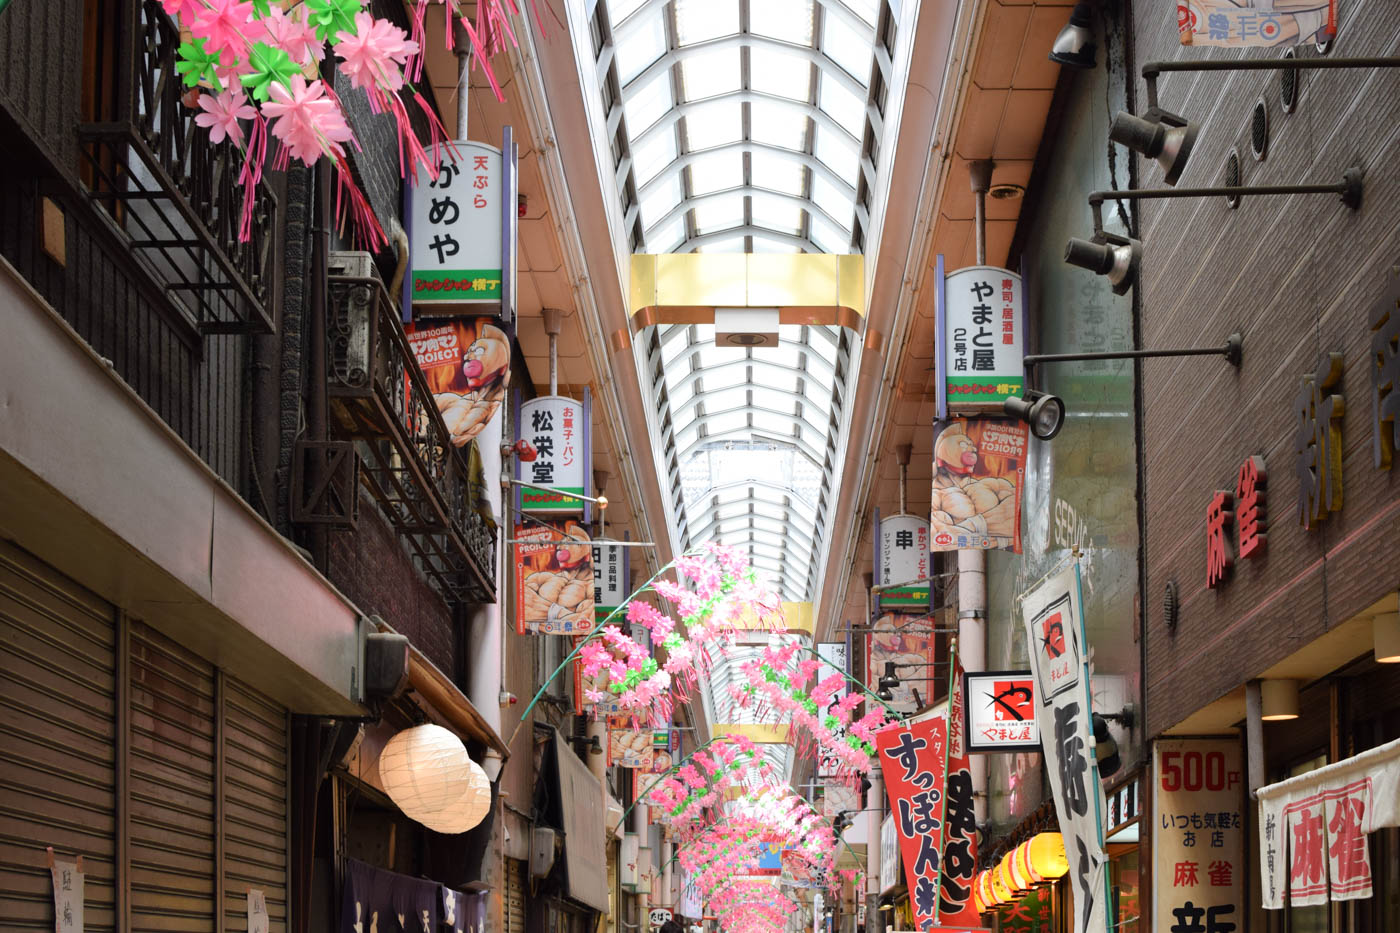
<point x="981" y="338"/>
<point x="1001" y="711"/>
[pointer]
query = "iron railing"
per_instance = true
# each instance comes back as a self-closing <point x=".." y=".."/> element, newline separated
<point x="380" y="398"/>
<point x="175" y="195"/>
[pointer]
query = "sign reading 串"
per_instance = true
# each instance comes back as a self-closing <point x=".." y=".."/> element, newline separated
<point x="902" y="562"/>
<point x="1001" y="711"/>
<point x="982" y="354"/>
<point x="1055" y="634"/>
<point x="1198" y="862"/>
<point x="456" y="224"/>
<point x="557" y="427"/>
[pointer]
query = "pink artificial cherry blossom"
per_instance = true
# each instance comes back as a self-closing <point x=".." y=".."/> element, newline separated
<point x="371" y="56"/>
<point x="225" y="24"/>
<point x="294" y="35"/>
<point x="221" y="114"/>
<point x="308" y="122"/>
<point x="184" y="11"/>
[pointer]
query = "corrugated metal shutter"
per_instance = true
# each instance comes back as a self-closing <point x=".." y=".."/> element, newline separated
<point x="255" y="804"/>
<point x="172" y="785"/>
<point x="57" y="741"/>
<point x="515" y="895"/>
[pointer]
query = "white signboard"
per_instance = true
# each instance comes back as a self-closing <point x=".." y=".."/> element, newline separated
<point x="1198" y="861"/>
<point x="557" y="427"/>
<point x="610" y="583"/>
<point x="1055" y="634"/>
<point x="1001" y="711"/>
<point x="258" y="921"/>
<point x="68" y="878"/>
<point x="628" y="854"/>
<point x="456" y="229"/>
<point x="889" y="855"/>
<point x="982" y="338"/>
<point x="834" y="661"/>
<point x="904" y="553"/>
<point x="659" y="915"/>
<point x="690" y="905"/>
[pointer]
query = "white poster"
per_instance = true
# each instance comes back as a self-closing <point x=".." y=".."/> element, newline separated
<point x="557" y="428"/>
<point x="690" y="905"/>
<point x="1198" y="860"/>
<point x="903" y="568"/>
<point x="1055" y="638"/>
<point x="456" y="228"/>
<point x="258" y="921"/>
<point x="68" y="878"/>
<point x="982" y="338"/>
<point x="889" y="855"/>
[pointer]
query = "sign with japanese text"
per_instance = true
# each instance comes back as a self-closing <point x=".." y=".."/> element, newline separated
<point x="1033" y="913"/>
<point x="659" y="915"/>
<point x="905" y="641"/>
<point x="770" y="857"/>
<point x="610" y="578"/>
<point x="1055" y="638"/>
<point x="466" y="363"/>
<point x="258" y="919"/>
<point x="456" y="223"/>
<point x="628" y="747"/>
<point x="1313" y="828"/>
<point x="1001" y="711"/>
<point x="889" y="855"/>
<point x="902" y="562"/>
<point x="68" y="880"/>
<point x="1198" y="852"/>
<point x="553" y="580"/>
<point x="558" y="429"/>
<point x="663" y="751"/>
<point x="979" y="469"/>
<point x="1317" y="441"/>
<point x="1385" y="372"/>
<point x="1246" y="509"/>
<point x="690" y="903"/>
<point x="834" y="661"/>
<point x="913" y="760"/>
<point x="955" y="902"/>
<point x="1233" y="24"/>
<point x="982" y="352"/>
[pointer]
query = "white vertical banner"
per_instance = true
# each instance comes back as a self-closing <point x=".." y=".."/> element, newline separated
<point x="1198" y="861"/>
<point x="557" y="427"/>
<point x="902" y="569"/>
<point x="68" y="878"/>
<point x="1055" y="639"/>
<point x="982" y="338"/>
<point x="690" y="906"/>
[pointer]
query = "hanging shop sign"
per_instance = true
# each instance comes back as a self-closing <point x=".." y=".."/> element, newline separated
<point x="905" y="641"/>
<point x="1001" y="711"/>
<point x="770" y="857"/>
<point x="376" y="899"/>
<point x="1231" y="24"/>
<point x="610" y="578"/>
<point x="466" y="362"/>
<point x="558" y="429"/>
<point x="834" y="658"/>
<point x="902" y="561"/>
<point x="913" y="762"/>
<point x="1054" y="627"/>
<point x="889" y="855"/>
<point x="1032" y="913"/>
<point x="979" y="470"/>
<point x="979" y="315"/>
<point x="597" y="685"/>
<point x="959" y="866"/>
<point x="1198" y="860"/>
<point x="658" y="916"/>
<point x="629" y="854"/>
<point x="1313" y="828"/>
<point x="628" y="747"/>
<point x="839" y="797"/>
<point x="690" y="903"/>
<point x="553" y="579"/>
<point x="455" y="221"/>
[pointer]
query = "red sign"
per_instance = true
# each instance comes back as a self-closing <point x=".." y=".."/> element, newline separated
<point x="913" y="761"/>
<point x="1219" y="517"/>
<point x="960" y="832"/>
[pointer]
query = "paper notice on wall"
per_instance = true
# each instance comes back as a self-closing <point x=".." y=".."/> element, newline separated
<point x="258" y="921"/>
<point x="67" y="894"/>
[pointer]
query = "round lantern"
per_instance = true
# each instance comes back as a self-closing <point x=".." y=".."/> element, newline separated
<point x="425" y="770"/>
<point x="1046" y="854"/>
<point x="985" y="894"/>
<point x="1018" y="871"/>
<point x="1000" y="891"/>
<point x="1008" y="876"/>
<point x="977" y="902"/>
<point x="470" y="809"/>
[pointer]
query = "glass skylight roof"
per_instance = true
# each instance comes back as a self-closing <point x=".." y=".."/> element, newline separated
<point x="781" y="85"/>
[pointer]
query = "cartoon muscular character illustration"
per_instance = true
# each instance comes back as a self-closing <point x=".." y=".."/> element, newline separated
<point x="966" y="504"/>
<point x="1252" y="22"/>
<point x="486" y="369"/>
<point x="563" y="591"/>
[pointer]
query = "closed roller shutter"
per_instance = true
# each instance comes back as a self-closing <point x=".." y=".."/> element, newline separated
<point x="172" y="786"/>
<point x="57" y="741"/>
<point x="255" y="804"/>
<point x="515" y="895"/>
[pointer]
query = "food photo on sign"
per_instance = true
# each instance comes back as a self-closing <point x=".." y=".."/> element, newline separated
<point x="467" y="366"/>
<point x="554" y="579"/>
<point x="979" y="468"/>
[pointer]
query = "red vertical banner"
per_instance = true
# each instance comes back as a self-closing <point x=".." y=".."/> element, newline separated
<point x="955" y="904"/>
<point x="912" y="761"/>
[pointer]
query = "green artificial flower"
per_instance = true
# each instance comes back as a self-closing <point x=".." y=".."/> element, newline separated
<point x="195" y="64"/>
<point x="853" y="741"/>
<point x="648" y="667"/>
<point x="770" y="675"/>
<point x="831" y="722"/>
<point x="616" y="688"/>
<point x="671" y="642"/>
<point x="332" y="17"/>
<point x="269" y="65"/>
<point x="810" y="706"/>
<point x="261" y="8"/>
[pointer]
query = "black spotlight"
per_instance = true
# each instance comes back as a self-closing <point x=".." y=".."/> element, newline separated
<point x="595" y="747"/>
<point x="1105" y="748"/>
<point x="1074" y="46"/>
<point x="1045" y="413"/>
<point x="888" y="680"/>
<point x="1159" y="135"/>
<point x="1107" y="254"/>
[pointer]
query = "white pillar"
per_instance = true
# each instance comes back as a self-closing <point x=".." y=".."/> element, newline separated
<point x="484" y="648"/>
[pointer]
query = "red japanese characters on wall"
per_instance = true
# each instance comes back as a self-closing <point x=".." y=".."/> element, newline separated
<point x="1239" y="516"/>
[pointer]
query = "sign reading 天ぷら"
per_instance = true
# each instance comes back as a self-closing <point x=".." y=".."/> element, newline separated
<point x="979" y="469"/>
<point x="456" y="224"/>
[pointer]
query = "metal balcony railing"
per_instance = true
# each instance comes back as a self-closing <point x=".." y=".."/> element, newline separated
<point x="173" y="194"/>
<point x="380" y="399"/>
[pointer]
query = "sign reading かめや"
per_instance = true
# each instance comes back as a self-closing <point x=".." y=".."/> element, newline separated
<point x="456" y="224"/>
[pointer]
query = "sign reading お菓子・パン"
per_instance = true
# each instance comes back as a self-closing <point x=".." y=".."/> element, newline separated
<point x="456" y="222"/>
<point x="980" y="314"/>
<point x="558" y="429"/>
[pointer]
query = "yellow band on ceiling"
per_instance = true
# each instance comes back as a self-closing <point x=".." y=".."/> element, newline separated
<point x="806" y="288"/>
<point x="798" y="618"/>
<point x="759" y="733"/>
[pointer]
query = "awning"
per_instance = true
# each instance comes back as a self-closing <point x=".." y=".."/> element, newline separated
<point x="1313" y="828"/>
<point x="580" y="800"/>
<point x="450" y="702"/>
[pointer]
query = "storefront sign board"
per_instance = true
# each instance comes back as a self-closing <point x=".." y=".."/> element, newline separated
<point x="456" y="219"/>
<point x="1198" y="852"/>
<point x="553" y="580"/>
<point x="979" y="470"/>
<point x="913" y="761"/>
<point x="981" y="338"/>
<point x="1001" y="711"/>
<point x="902" y="561"/>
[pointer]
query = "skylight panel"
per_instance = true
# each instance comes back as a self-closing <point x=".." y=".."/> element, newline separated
<point x="763" y="244"/>
<point x="619" y="10"/>
<point x="777" y="213"/>
<point x="667" y="237"/>
<point x="777" y="172"/>
<point x="847" y="48"/>
<point x="838" y="153"/>
<point x="719" y="214"/>
<point x="828" y="237"/>
<point x="637" y="46"/>
<point x="710" y="73"/>
<point x="658" y="201"/>
<point x="785" y="74"/>
<point x="778" y="125"/>
<point x="787" y="20"/>
<point x="716" y="172"/>
<point x="701" y="20"/>
<point x="647" y="103"/>
<point x="840" y="104"/>
<point x="734" y="244"/>
<point x="867" y="10"/>
<point x="836" y="202"/>
<point x="652" y="155"/>
<point x="713" y="124"/>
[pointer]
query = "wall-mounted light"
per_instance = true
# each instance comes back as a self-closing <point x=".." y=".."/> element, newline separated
<point x="1278" y="700"/>
<point x="1385" y="630"/>
<point x="1045" y="413"/>
<point x="1107" y="254"/>
<point x="1074" y="46"/>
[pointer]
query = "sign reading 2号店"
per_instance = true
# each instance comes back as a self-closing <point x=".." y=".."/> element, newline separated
<point x="980" y="338"/>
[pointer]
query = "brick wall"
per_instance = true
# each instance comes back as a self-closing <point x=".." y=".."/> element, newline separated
<point x="1298" y="276"/>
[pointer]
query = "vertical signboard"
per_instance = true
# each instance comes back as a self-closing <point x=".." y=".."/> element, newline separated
<point x="902" y="562"/>
<point x="955" y="905"/>
<point x="834" y="661"/>
<point x="466" y="363"/>
<point x="610" y="578"/>
<point x="981" y="338"/>
<point x="456" y="222"/>
<point x="889" y="855"/>
<point x="1198" y="861"/>
<point x="979" y="470"/>
<point x="553" y="580"/>
<point x="558" y="429"/>
<point x="1055" y="633"/>
<point x="906" y="642"/>
<point x="913" y="762"/>
<point x="628" y="747"/>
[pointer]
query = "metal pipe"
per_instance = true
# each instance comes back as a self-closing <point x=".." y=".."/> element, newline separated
<point x="981" y="174"/>
<point x="1350" y="188"/>
<point x="1151" y="70"/>
<point x="1232" y="349"/>
<point x="904" y="453"/>
<point x="464" y="65"/>
<point x="553" y="319"/>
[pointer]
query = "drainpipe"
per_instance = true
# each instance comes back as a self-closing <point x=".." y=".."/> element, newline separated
<point x="874" y="814"/>
<point x="553" y="321"/>
<point x="972" y="563"/>
<point x="903" y="454"/>
<point x="317" y="416"/>
<point x="484" y="652"/>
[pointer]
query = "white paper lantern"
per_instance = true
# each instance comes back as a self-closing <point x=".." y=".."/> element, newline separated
<point x="424" y="770"/>
<point x="469" y="810"/>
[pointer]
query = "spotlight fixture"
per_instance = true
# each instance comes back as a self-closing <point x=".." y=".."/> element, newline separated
<point x="888" y="681"/>
<point x="1074" y="46"/>
<point x="1105" y="748"/>
<point x="1107" y="254"/>
<point x="1159" y="135"/>
<point x="1278" y="700"/>
<point x="595" y="747"/>
<point x="1045" y="413"/>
